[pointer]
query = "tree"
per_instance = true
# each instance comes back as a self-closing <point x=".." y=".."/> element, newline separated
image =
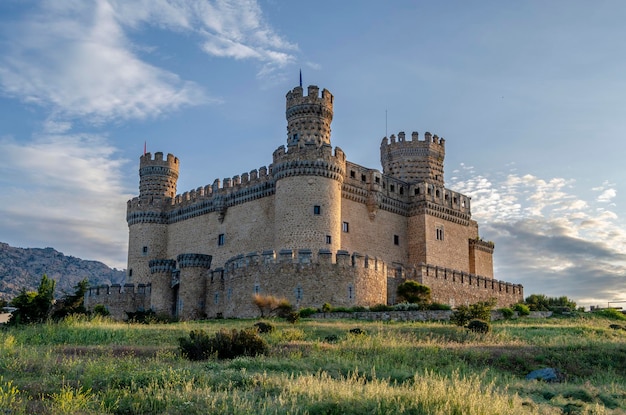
<point x="72" y="303"/>
<point x="541" y="302"/>
<point x="480" y="311"/>
<point x="414" y="292"/>
<point x="34" y="307"/>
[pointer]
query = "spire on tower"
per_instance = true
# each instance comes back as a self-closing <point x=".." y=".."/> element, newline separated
<point x="301" y="78"/>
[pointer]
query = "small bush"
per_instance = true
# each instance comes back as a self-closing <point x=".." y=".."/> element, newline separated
<point x="522" y="309"/>
<point x="381" y="307"/>
<point x="357" y="331"/>
<point x="101" y="310"/>
<point x="507" y="313"/>
<point x="439" y="306"/>
<point x="148" y="317"/>
<point x="617" y="327"/>
<point x="479" y="311"/>
<point x="333" y="338"/>
<point x="224" y="344"/>
<point x="327" y="308"/>
<point x="263" y="327"/>
<point x="611" y="313"/>
<point x="293" y="317"/>
<point x="284" y="309"/>
<point x="479" y="326"/>
<point x="308" y="312"/>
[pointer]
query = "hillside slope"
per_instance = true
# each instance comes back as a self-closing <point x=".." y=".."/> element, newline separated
<point x="23" y="268"/>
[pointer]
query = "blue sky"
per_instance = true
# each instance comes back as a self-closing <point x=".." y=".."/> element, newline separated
<point x="530" y="97"/>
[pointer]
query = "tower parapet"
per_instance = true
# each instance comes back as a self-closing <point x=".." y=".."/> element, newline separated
<point x="414" y="160"/>
<point x="308" y="117"/>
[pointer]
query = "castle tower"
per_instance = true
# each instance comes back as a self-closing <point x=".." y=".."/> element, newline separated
<point x="414" y="160"/>
<point x="162" y="297"/>
<point x="308" y="176"/>
<point x="158" y="177"/>
<point x="191" y="292"/>
<point x="309" y="117"/>
<point x="147" y="222"/>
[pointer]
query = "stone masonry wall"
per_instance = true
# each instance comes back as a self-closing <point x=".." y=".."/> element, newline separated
<point x="119" y="299"/>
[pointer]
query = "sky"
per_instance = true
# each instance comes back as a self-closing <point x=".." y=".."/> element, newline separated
<point x="530" y="97"/>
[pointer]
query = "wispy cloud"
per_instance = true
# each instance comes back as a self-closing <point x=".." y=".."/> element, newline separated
<point x="71" y="195"/>
<point x="547" y="237"/>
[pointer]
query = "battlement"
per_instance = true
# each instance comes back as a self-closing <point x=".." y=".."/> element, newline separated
<point x="148" y="160"/>
<point x="158" y="177"/>
<point x="296" y="97"/>
<point x="310" y="160"/>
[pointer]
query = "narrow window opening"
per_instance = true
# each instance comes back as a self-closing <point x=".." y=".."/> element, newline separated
<point x="352" y="174"/>
<point x="328" y="239"/>
<point x="257" y="288"/>
<point x="317" y="210"/>
<point x="396" y="240"/>
<point x="220" y="239"/>
<point x="401" y="190"/>
<point x="392" y="188"/>
<point x="144" y="250"/>
<point x="345" y="227"/>
<point x="363" y="178"/>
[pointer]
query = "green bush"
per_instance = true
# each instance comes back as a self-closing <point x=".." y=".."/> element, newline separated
<point x="439" y="306"/>
<point x="224" y="344"/>
<point x="101" y="310"/>
<point x="480" y="311"/>
<point x="327" y="308"/>
<point x="414" y="292"/>
<point x="522" y="309"/>
<point x="381" y="307"/>
<point x="611" y="313"/>
<point x="507" y="313"/>
<point x="479" y="326"/>
<point x="148" y="317"/>
<point x="293" y="317"/>
<point x="263" y="327"/>
<point x="308" y="312"/>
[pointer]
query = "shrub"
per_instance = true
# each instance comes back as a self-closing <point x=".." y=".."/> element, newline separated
<point x="101" y="310"/>
<point x="381" y="307"/>
<point x="327" y="308"/>
<point x="293" y="317"/>
<point x="611" y="313"/>
<point x="439" y="306"/>
<point x="34" y="307"/>
<point x="224" y="344"/>
<point x="357" y="331"/>
<point x="507" y="313"/>
<point x="479" y="326"/>
<point x="480" y="311"/>
<point x="307" y="312"/>
<point x="522" y="309"/>
<point x="617" y="327"/>
<point x="414" y="292"/>
<point x="333" y="338"/>
<point x="148" y="317"/>
<point x="284" y="309"/>
<point x="263" y="327"/>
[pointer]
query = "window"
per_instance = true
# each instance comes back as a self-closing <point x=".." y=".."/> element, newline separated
<point x="144" y="250"/>
<point x="299" y="293"/>
<point x="440" y="233"/>
<point x="130" y="272"/>
<point x="392" y="188"/>
<point x="401" y="190"/>
<point x="396" y="240"/>
<point x="257" y="288"/>
<point x="417" y="191"/>
<point x="345" y="227"/>
<point x="317" y="210"/>
<point x="217" y="298"/>
<point x="350" y="292"/>
<point x="220" y="239"/>
<point x="352" y="174"/>
<point x="328" y="239"/>
<point x="377" y="180"/>
<point x="229" y="294"/>
<point x="363" y="178"/>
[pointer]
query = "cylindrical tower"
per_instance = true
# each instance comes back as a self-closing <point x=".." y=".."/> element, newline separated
<point x="146" y="214"/>
<point x="414" y="160"/>
<point x="162" y="297"/>
<point x="192" y="288"/>
<point x="308" y="176"/>
<point x="309" y="117"/>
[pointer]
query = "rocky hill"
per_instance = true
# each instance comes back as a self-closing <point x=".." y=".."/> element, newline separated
<point x="23" y="268"/>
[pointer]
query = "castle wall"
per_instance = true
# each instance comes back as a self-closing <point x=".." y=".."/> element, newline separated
<point x="146" y="241"/>
<point x="375" y="236"/>
<point x="452" y="249"/>
<point x="118" y="299"/>
<point x="481" y="257"/>
<point x="246" y="227"/>
<point x="194" y="271"/>
<point x="295" y="276"/>
<point x="460" y="288"/>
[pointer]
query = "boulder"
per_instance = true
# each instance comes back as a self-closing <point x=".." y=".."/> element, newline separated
<point x="547" y="374"/>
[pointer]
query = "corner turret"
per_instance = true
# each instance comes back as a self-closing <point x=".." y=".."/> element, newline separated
<point x="308" y="117"/>
<point x="414" y="160"/>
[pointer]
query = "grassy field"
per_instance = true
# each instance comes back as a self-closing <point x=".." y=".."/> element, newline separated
<point x="82" y="366"/>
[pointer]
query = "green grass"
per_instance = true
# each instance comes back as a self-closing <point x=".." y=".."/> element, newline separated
<point x="97" y="366"/>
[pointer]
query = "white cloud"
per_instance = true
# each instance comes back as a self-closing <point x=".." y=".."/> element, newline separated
<point x="70" y="196"/>
<point x="547" y="237"/>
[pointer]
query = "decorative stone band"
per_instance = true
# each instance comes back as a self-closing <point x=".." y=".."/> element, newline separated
<point x="321" y="168"/>
<point x="194" y="260"/>
<point x="485" y="246"/>
<point x="158" y="171"/>
<point x="161" y="265"/>
<point x="141" y="216"/>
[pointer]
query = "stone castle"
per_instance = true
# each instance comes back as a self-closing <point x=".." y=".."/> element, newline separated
<point x="312" y="227"/>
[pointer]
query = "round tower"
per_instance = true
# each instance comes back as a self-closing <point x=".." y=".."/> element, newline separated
<point x="194" y="269"/>
<point x="162" y="298"/>
<point x="414" y="160"/>
<point x="308" y="176"/>
<point x="147" y="214"/>
<point x="309" y="117"/>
